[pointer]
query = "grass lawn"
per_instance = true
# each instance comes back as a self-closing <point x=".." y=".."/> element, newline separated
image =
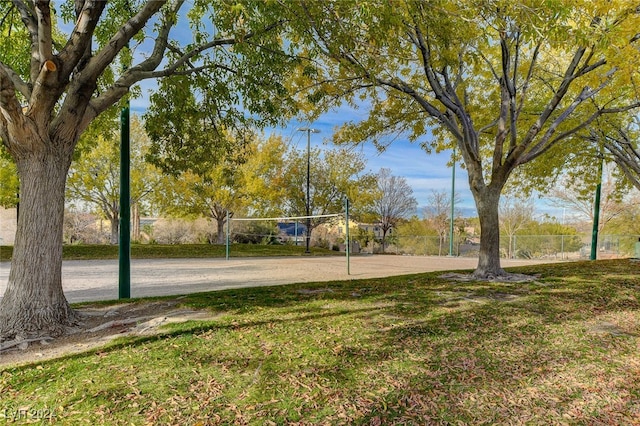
<point x="412" y="350"/>
<point x="170" y="251"/>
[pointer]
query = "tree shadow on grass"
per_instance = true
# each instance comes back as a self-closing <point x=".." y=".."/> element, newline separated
<point x="426" y="347"/>
<point x="478" y="308"/>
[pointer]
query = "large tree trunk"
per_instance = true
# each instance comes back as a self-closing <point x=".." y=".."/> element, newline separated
<point x="115" y="230"/>
<point x="34" y="303"/>
<point x="220" y="237"/>
<point x="384" y="236"/>
<point x="487" y="202"/>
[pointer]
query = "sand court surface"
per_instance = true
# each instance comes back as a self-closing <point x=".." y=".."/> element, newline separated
<point x="93" y="280"/>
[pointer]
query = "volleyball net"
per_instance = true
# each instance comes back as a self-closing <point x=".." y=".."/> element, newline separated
<point x="278" y="230"/>
<point x="328" y="231"/>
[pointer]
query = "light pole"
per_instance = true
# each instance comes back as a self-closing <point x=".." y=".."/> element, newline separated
<point x="309" y="130"/>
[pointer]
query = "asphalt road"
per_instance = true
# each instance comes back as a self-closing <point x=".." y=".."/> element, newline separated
<point x="98" y="279"/>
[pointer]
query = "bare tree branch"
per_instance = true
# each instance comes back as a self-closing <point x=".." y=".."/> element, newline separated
<point x="83" y="30"/>
<point x="625" y="153"/>
<point x="84" y="85"/>
<point x="571" y="73"/>
<point x="19" y="84"/>
<point x="43" y="13"/>
<point x="12" y="118"/>
<point x="31" y="24"/>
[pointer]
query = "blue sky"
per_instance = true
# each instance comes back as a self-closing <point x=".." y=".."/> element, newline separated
<point x="424" y="172"/>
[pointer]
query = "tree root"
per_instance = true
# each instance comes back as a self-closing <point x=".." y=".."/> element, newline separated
<point x="30" y="326"/>
<point x="504" y="277"/>
<point x="20" y="342"/>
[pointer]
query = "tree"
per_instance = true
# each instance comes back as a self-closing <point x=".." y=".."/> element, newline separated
<point x="95" y="177"/>
<point x="578" y="197"/>
<point x="512" y="81"/>
<point x="334" y="175"/>
<point x="144" y="177"/>
<point x="54" y="83"/>
<point x="80" y="227"/>
<point x="622" y="144"/>
<point x="212" y="195"/>
<point x="264" y="176"/>
<point x="416" y="236"/>
<point x="191" y="142"/>
<point x="250" y="181"/>
<point x="515" y="214"/>
<point x="393" y="201"/>
<point x="438" y="213"/>
<point x="627" y="222"/>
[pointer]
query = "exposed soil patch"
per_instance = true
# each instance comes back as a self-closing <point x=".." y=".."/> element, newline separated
<point x="605" y="327"/>
<point x="315" y="291"/>
<point x="452" y="299"/>
<point x="100" y="325"/>
<point x="508" y="278"/>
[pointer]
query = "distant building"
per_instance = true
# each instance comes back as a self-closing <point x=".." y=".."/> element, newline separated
<point x="292" y="231"/>
<point x="375" y="228"/>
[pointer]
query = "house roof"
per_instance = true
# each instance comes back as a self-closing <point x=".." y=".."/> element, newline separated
<point x="289" y="228"/>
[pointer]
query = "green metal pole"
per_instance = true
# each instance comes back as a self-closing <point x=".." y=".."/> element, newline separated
<point x="124" y="282"/>
<point x="308" y="206"/>
<point x="348" y="240"/>
<point x="596" y="214"/>
<point x="453" y="194"/>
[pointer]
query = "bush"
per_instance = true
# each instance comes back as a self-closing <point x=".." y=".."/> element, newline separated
<point x="255" y="233"/>
<point x="180" y="231"/>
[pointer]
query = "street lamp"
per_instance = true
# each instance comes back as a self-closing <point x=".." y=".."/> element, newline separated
<point x="309" y="130"/>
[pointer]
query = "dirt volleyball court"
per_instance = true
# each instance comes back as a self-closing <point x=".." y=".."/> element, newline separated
<point x="86" y="281"/>
<point x="98" y="280"/>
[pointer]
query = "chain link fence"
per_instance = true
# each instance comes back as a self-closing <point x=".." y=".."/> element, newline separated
<point x="552" y="247"/>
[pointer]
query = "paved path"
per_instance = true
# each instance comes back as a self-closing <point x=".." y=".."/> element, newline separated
<point x="98" y="279"/>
